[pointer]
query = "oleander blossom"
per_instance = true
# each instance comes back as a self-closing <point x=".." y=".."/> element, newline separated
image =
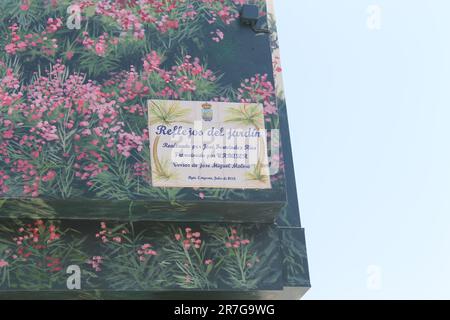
<point x="189" y="239"/>
<point x="44" y="43"/>
<point x="96" y="263"/>
<point x="33" y="244"/>
<point x="10" y="93"/>
<point x="133" y="17"/>
<point x="130" y="18"/>
<point x="217" y="35"/>
<point x="209" y="262"/>
<point x="145" y="252"/>
<point x="259" y="89"/>
<point x="63" y="113"/>
<point x="235" y="241"/>
<point x="24" y="5"/>
<point x="108" y="235"/>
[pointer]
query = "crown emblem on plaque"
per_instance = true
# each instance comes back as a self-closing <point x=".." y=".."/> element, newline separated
<point x="207" y="112"/>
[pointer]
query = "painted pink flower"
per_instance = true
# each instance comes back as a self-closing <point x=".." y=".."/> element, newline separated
<point x="145" y="251"/>
<point x="49" y="176"/>
<point x="11" y="48"/>
<point x="100" y="49"/>
<point x="54" y="24"/>
<point x="208" y="262"/>
<point x="96" y="263"/>
<point x="25" y="6"/>
<point x="69" y="55"/>
<point x="8" y="134"/>
<point x="218" y="35"/>
<point x="3" y="263"/>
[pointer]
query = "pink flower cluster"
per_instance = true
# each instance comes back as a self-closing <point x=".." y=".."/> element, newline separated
<point x="9" y="87"/>
<point x="7" y="99"/>
<point x="179" y="79"/>
<point x="119" y="13"/>
<point x="132" y="17"/>
<point x="142" y="170"/>
<point x="128" y="142"/>
<point x="277" y="65"/>
<point x="166" y="24"/>
<point x="222" y="9"/>
<point x="130" y="86"/>
<point x="54" y="24"/>
<point x="165" y="16"/>
<point x="209" y="262"/>
<point x="106" y="235"/>
<point x="37" y="232"/>
<point x="259" y="89"/>
<point x="217" y="35"/>
<point x="34" y="244"/>
<point x="36" y="236"/>
<point x="96" y="263"/>
<point x="30" y="176"/>
<point x="100" y="45"/>
<point x="183" y="77"/>
<point x="235" y="241"/>
<point x="190" y="239"/>
<point x="146" y="251"/>
<point x="24" y="5"/>
<point x="20" y="43"/>
<point x="54" y="264"/>
<point x="60" y="105"/>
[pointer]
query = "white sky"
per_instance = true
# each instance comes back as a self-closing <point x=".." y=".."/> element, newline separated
<point x="370" y="122"/>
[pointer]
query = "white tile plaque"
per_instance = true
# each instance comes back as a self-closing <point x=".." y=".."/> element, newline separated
<point x="208" y="145"/>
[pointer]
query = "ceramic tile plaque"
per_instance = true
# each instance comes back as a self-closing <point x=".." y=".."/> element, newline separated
<point x="208" y="145"/>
